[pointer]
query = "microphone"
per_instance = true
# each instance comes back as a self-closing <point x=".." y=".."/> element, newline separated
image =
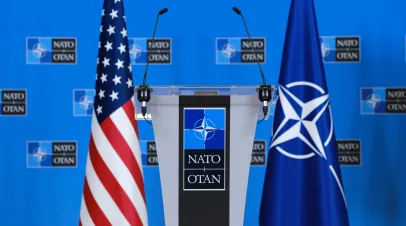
<point x="236" y="10"/>
<point x="264" y="91"/>
<point x="144" y="91"/>
<point x="163" y="11"/>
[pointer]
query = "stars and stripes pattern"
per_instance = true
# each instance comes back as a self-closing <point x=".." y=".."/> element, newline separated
<point x="113" y="191"/>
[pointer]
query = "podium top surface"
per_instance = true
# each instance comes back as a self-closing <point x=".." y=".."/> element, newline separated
<point x="198" y="90"/>
<point x="204" y="90"/>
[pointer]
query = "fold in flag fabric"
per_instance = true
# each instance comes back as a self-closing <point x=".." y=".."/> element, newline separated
<point x="303" y="185"/>
<point x="113" y="191"/>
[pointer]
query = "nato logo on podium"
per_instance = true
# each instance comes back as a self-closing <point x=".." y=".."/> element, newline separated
<point x="204" y="149"/>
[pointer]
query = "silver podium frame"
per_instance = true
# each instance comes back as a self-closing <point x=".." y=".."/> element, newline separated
<point x="244" y="113"/>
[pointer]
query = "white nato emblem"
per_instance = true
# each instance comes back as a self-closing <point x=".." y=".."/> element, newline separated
<point x="204" y="129"/>
<point x="39" y="50"/>
<point x="317" y="145"/>
<point x="301" y="121"/>
<point x="228" y="50"/>
<point x="325" y="49"/>
<point x="135" y="51"/>
<point x="373" y="101"/>
<point x="86" y="102"/>
<point x="40" y="154"/>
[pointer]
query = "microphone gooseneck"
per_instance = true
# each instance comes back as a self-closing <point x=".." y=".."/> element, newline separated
<point x="264" y="91"/>
<point x="144" y="91"/>
<point x="236" y="10"/>
<point x="161" y="12"/>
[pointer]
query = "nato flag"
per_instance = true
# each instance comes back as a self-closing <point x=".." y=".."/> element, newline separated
<point x="303" y="185"/>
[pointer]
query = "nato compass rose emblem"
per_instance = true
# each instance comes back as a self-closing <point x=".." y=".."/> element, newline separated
<point x="135" y="51"/>
<point x="86" y="102"/>
<point x="325" y="49"/>
<point x="374" y="101"/>
<point x="40" y="154"/>
<point x="39" y="50"/>
<point x="204" y="129"/>
<point x="228" y="51"/>
<point x="300" y="122"/>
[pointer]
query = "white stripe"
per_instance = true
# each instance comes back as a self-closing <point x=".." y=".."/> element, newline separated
<point x="304" y="83"/>
<point x="123" y="124"/>
<point x="133" y="100"/>
<point x="85" y="218"/>
<point x="119" y="170"/>
<point x="102" y="197"/>
<point x="293" y="156"/>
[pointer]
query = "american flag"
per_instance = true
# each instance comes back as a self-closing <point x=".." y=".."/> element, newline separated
<point x="113" y="191"/>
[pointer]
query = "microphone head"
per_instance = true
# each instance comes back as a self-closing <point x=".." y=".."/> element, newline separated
<point x="236" y="10"/>
<point x="163" y="11"/>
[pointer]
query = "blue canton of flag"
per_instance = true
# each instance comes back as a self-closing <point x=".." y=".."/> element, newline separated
<point x="303" y="185"/>
<point x="114" y="78"/>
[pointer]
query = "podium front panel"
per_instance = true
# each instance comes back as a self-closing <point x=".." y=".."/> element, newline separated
<point x="204" y="146"/>
<point x="204" y="160"/>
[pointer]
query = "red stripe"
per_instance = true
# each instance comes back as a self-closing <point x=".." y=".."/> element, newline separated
<point x="113" y="187"/>
<point x="124" y="151"/>
<point x="130" y="112"/>
<point x="96" y="214"/>
<point x="80" y="223"/>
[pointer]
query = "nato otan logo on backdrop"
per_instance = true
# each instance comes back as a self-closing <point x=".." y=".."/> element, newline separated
<point x="83" y="100"/>
<point x="13" y="102"/>
<point x="51" y="50"/>
<point x="150" y="156"/>
<point x="382" y="100"/>
<point x="159" y="51"/>
<point x="49" y="154"/>
<point x="341" y="49"/>
<point x="237" y="50"/>
<point x="349" y="152"/>
<point x="258" y="156"/>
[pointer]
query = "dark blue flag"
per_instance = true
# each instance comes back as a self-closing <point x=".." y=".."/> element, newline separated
<point x="303" y="185"/>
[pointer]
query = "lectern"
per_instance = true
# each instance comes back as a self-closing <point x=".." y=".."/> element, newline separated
<point x="204" y="138"/>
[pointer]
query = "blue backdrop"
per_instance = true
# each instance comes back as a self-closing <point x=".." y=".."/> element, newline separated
<point x="49" y="196"/>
